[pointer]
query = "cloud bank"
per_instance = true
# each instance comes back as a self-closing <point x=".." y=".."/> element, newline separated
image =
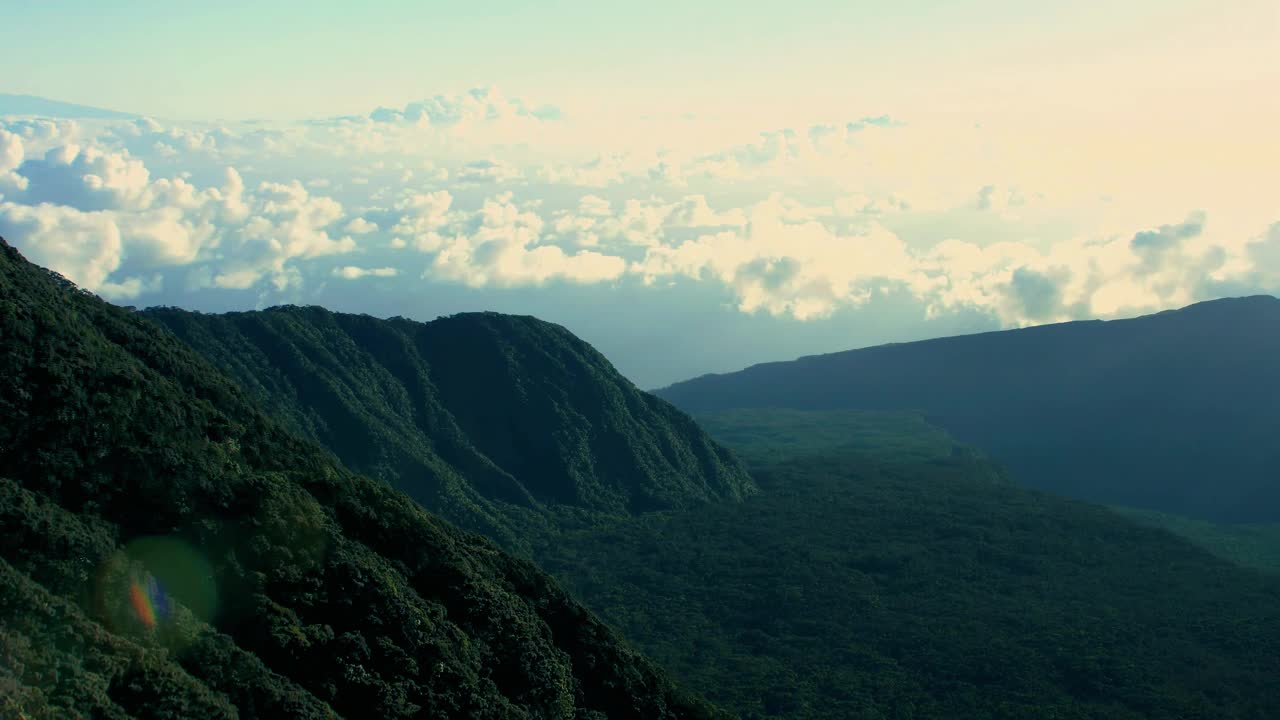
<point x="800" y="223"/>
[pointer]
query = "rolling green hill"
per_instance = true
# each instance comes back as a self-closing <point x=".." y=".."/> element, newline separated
<point x="1175" y="412"/>
<point x="506" y="425"/>
<point x="885" y="571"/>
<point x="171" y="552"/>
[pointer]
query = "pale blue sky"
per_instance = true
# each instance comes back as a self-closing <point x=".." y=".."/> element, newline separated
<point x="242" y="58"/>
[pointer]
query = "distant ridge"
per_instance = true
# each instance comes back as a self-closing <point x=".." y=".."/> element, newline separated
<point x="1174" y="411"/>
<point x="44" y="107"/>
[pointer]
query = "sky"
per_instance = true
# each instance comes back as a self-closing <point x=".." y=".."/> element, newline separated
<point x="691" y="187"/>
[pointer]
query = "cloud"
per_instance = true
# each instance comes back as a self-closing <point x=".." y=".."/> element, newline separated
<point x="361" y="226"/>
<point x="86" y="178"/>
<point x="600" y="171"/>
<point x="11" y="151"/>
<point x="285" y="223"/>
<point x="41" y="134"/>
<point x="1258" y="271"/>
<point x="822" y="149"/>
<point x="84" y="246"/>
<point x="351" y="272"/>
<point x="594" y="206"/>
<point x="799" y="222"/>
<point x="999" y="199"/>
<point x="476" y="106"/>
<point x="480" y="172"/>
<point x="423" y="215"/>
<point x="1037" y="296"/>
<point x="501" y="245"/>
<point x="802" y="268"/>
<point x="1155" y="247"/>
<point x="94" y="214"/>
<point x="11" y="154"/>
<point x="146" y="136"/>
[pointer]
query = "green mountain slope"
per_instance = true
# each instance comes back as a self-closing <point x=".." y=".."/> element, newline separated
<point x="886" y="572"/>
<point x="1174" y="412"/>
<point x="170" y="552"/>
<point x="1248" y="545"/>
<point x="495" y="421"/>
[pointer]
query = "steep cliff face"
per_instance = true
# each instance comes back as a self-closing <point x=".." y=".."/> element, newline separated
<point x="170" y="551"/>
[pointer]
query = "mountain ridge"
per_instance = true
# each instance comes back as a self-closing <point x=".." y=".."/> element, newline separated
<point x="1260" y="300"/>
<point x="20" y="104"/>
<point x="171" y="551"/>
<point x="501" y="423"/>
<point x="1137" y="412"/>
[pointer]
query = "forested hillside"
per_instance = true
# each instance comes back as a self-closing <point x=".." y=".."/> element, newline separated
<point x="884" y="571"/>
<point x="170" y="552"/>
<point x="504" y="424"/>
<point x="1175" y="412"/>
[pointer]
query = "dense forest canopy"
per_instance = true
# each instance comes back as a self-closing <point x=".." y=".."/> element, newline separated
<point x="885" y="571"/>
<point x="504" y="424"/>
<point x="183" y="539"/>
<point x="172" y="552"/>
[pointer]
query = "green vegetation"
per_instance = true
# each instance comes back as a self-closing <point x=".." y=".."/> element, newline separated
<point x="885" y="572"/>
<point x="1174" y="412"/>
<point x="766" y="437"/>
<point x="1254" y="545"/>
<point x="505" y="425"/>
<point x="170" y="552"/>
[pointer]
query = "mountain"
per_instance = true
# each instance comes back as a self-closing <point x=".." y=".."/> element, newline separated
<point x="502" y="424"/>
<point x="171" y="552"/>
<point x="886" y="571"/>
<point x="44" y="107"/>
<point x="1175" y="412"/>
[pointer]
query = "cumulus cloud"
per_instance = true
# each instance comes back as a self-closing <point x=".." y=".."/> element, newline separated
<point x="351" y="272"/>
<point x="501" y="244"/>
<point x="776" y="264"/>
<point x="41" y="134"/>
<point x="361" y="226"/>
<point x="478" y="105"/>
<point x="117" y="206"/>
<point x="1259" y="269"/>
<point x="639" y="222"/>
<point x="285" y="223"/>
<point x="11" y="155"/>
<point x="11" y="151"/>
<point x="93" y="214"/>
<point x="86" y="178"/>
<point x="1155" y="248"/>
<point x="83" y="246"/>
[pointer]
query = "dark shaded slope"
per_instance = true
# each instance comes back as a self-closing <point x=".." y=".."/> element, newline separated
<point x="170" y="552"/>
<point x="492" y="420"/>
<point x="884" y="574"/>
<point x="1176" y="411"/>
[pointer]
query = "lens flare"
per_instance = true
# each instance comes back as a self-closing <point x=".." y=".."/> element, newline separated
<point x="157" y="584"/>
<point x="149" y="601"/>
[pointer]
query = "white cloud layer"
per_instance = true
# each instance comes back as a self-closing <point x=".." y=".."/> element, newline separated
<point x="801" y="223"/>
